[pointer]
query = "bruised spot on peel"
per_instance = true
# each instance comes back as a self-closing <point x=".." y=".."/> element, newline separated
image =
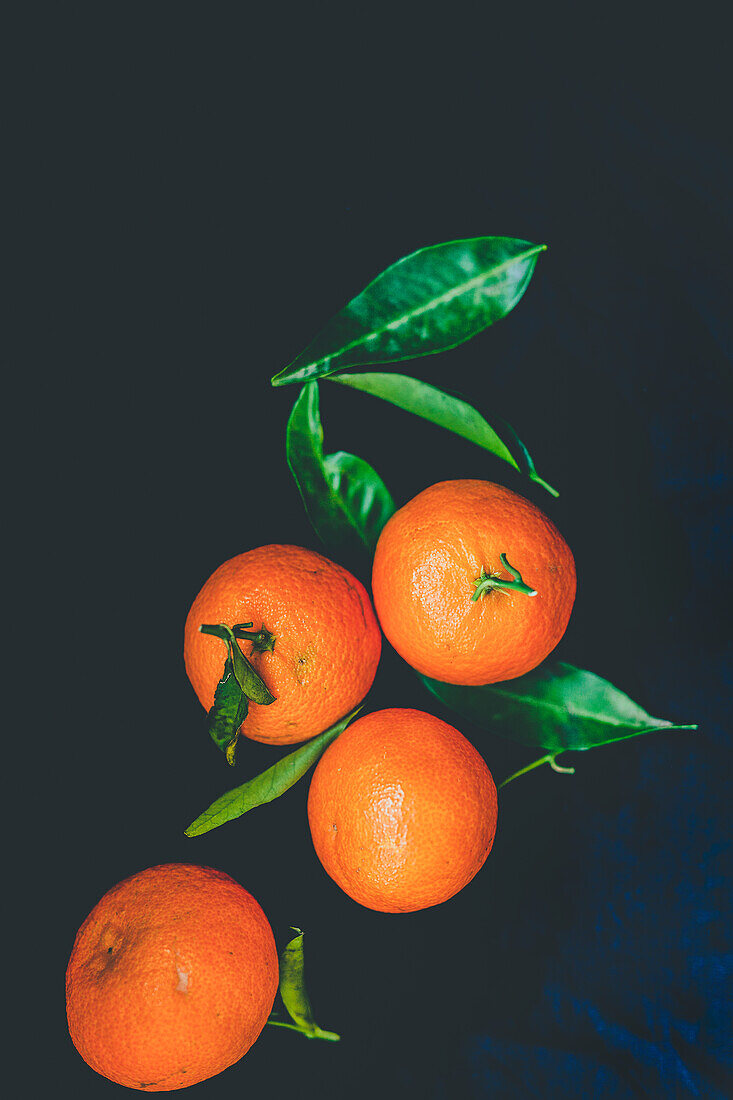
<point x="182" y="986"/>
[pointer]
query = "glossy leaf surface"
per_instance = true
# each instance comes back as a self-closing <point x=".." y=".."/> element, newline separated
<point x="556" y="707"/>
<point x="345" y="499"/>
<point x="427" y="302"/>
<point x="270" y="784"/>
<point x="449" y="412"/>
<point x="363" y="494"/>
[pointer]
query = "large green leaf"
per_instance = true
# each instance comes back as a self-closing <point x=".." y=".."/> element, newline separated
<point x="447" y="411"/>
<point x="345" y="499"/>
<point x="269" y="785"/>
<point x="556" y="707"/>
<point x="427" y="302"/>
<point x="294" y="994"/>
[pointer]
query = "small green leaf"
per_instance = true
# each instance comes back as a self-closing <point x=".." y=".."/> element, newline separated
<point x="270" y="784"/>
<point x="229" y="709"/>
<point x="345" y="499"/>
<point x="247" y="677"/>
<point x="447" y="411"/>
<point x="429" y="301"/>
<point x="293" y="991"/>
<point x="556" y="707"/>
<point x="249" y="680"/>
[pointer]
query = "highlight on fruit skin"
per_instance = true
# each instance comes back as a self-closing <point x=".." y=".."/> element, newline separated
<point x="171" y="978"/>
<point x="323" y="639"/>
<point x="402" y="811"/>
<point x="472" y="583"/>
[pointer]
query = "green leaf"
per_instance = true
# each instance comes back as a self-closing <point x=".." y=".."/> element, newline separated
<point x="270" y="784"/>
<point x="427" y="302"/>
<point x="229" y="709"/>
<point x="522" y="455"/>
<point x="364" y="495"/>
<point x="447" y="411"/>
<point x="345" y="499"/>
<point x="249" y="680"/>
<point x="294" y="994"/>
<point x="251" y="683"/>
<point x="556" y="707"/>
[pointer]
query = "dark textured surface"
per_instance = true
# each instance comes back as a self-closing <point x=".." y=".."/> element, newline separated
<point x="201" y="197"/>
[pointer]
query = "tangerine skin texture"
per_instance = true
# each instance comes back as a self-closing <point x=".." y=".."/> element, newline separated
<point x="402" y="811"/>
<point x="428" y="556"/>
<point x="171" y="978"/>
<point x="327" y="647"/>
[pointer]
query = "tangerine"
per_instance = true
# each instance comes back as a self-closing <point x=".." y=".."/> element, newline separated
<point x="171" y="978"/>
<point x="402" y="811"/>
<point x="472" y="583"/>
<point x="326" y="646"/>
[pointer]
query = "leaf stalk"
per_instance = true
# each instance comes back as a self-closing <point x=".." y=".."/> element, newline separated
<point x="316" y="1033"/>
<point x="548" y="759"/>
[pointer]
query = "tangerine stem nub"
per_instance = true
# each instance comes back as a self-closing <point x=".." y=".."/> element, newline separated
<point x="262" y="640"/>
<point x="488" y="581"/>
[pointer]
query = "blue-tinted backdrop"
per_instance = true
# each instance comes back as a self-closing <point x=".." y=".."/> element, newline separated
<point x="205" y="192"/>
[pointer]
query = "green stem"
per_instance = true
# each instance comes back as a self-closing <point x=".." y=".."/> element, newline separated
<point x="545" y="484"/>
<point x="317" y="1033"/>
<point x="217" y="630"/>
<point x="556" y="767"/>
<point x="548" y="759"/>
<point x="488" y="581"/>
<point x="329" y="1036"/>
<point x="261" y="639"/>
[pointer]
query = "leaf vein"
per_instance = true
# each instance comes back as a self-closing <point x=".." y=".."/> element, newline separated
<point x="433" y="303"/>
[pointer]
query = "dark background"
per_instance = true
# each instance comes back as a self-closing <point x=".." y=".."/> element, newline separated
<point x="200" y="194"/>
